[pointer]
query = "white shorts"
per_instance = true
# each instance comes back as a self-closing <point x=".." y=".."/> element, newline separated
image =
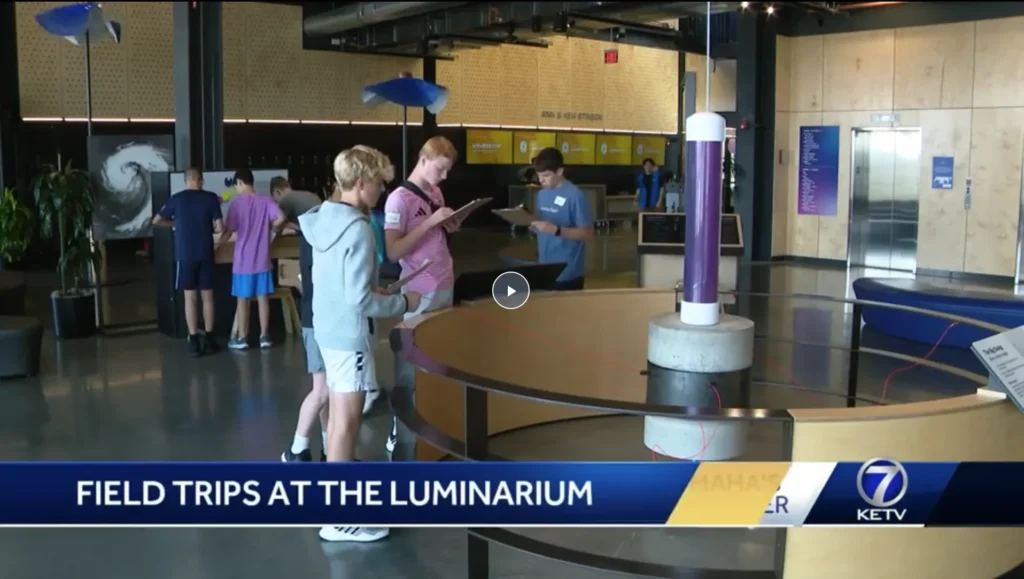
<point x="349" y="371"/>
<point x="431" y="302"/>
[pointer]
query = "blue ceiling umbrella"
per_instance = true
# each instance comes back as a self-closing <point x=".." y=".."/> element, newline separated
<point x="407" y="92"/>
<point x="81" y="24"/>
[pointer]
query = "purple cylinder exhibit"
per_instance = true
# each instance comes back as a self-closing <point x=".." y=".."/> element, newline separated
<point x="705" y="138"/>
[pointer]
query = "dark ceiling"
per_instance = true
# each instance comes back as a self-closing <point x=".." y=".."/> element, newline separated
<point x="441" y="29"/>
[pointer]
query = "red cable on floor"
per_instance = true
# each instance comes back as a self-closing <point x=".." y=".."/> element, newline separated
<point x="920" y="362"/>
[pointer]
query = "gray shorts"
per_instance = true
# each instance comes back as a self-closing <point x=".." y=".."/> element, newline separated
<point x="314" y="360"/>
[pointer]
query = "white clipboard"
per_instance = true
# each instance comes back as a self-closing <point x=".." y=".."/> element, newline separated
<point x="394" y="287"/>
<point x="516" y="216"/>
<point x="467" y="209"/>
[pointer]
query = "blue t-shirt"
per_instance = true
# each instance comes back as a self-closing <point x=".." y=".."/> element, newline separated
<point x="566" y="207"/>
<point x="193" y="212"/>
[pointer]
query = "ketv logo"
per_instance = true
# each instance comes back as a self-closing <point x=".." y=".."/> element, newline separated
<point x="882" y="483"/>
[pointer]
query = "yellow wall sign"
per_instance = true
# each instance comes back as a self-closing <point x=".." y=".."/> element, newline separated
<point x="649" y="147"/>
<point x="488" y="147"/>
<point x="577" y="148"/>
<point x="528" y="143"/>
<point x="614" y="150"/>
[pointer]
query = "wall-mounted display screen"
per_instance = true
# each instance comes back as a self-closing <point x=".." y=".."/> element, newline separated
<point x="614" y="150"/>
<point x="529" y="143"/>
<point x="649" y="147"/>
<point x="486" y="147"/>
<point x="577" y="148"/>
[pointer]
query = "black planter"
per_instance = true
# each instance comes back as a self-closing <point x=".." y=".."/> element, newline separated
<point x="74" y="316"/>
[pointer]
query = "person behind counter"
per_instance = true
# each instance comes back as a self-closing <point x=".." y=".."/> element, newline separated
<point x="346" y="301"/>
<point x="650" y="190"/>
<point x="292" y="203"/>
<point x="195" y="215"/>
<point x="411" y="217"/>
<point x="567" y="220"/>
<point x="253" y="218"/>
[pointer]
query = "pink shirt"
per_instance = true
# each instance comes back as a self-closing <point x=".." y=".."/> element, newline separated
<point x="403" y="212"/>
<point x="250" y="216"/>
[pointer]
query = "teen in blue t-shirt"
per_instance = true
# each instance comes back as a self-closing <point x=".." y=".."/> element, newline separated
<point x="195" y="215"/>
<point x="565" y="220"/>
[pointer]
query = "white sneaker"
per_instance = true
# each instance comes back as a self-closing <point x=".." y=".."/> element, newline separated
<point x="371" y="397"/>
<point x="354" y="534"/>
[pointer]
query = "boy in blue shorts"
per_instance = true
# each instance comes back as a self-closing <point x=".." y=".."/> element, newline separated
<point x="253" y="218"/>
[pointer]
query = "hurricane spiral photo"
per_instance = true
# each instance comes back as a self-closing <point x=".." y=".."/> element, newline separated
<point x="121" y="168"/>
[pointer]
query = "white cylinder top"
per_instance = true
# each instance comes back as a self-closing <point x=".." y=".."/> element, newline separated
<point x="705" y="127"/>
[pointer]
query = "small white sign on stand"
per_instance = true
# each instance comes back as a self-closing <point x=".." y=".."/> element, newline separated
<point x="1003" y="355"/>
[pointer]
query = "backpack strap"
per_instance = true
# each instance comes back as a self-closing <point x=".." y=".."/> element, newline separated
<point x="419" y="193"/>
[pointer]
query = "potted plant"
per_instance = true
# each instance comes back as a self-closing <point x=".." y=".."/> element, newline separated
<point x="64" y="201"/>
<point x="15" y="228"/>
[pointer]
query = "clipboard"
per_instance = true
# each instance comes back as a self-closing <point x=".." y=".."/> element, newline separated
<point x="516" y="216"/>
<point x="467" y="209"/>
<point x="394" y="287"/>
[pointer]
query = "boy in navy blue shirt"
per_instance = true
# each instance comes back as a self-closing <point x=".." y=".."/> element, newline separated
<point x="565" y="221"/>
<point x="195" y="215"/>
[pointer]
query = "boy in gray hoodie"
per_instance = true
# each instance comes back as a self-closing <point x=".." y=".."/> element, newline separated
<point x="347" y="300"/>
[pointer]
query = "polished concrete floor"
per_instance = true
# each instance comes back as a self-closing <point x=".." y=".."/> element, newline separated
<point x="138" y="397"/>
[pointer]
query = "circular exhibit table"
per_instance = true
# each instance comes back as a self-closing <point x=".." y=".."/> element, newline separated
<point x="468" y="374"/>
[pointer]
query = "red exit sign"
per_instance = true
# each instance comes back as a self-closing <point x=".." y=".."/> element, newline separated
<point x="611" y="56"/>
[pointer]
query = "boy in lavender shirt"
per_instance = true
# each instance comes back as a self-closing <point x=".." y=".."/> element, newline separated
<point x="253" y="218"/>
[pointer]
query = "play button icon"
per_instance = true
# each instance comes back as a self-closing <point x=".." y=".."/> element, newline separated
<point x="510" y="290"/>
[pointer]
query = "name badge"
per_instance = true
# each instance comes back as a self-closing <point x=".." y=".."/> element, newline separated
<point x="393" y="218"/>
<point x="560" y="201"/>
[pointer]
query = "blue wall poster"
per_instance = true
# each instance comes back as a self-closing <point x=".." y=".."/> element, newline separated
<point x="942" y="172"/>
<point x="818" y="190"/>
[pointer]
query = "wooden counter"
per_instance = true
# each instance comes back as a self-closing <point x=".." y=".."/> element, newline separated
<point x="606" y="332"/>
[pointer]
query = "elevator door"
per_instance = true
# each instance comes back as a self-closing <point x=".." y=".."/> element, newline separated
<point x="884" y="196"/>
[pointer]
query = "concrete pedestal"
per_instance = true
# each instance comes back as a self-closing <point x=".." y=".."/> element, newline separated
<point x="704" y="367"/>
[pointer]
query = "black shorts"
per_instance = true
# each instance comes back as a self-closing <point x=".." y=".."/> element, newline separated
<point x="195" y="275"/>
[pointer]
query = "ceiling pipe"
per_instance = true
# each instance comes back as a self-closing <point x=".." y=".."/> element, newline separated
<point x="863" y="5"/>
<point x="361" y="14"/>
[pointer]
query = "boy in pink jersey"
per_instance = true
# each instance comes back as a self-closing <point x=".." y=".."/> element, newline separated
<point x="412" y="235"/>
<point x="253" y="218"/>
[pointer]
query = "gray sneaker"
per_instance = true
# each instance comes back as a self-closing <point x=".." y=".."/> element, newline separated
<point x="238" y="343"/>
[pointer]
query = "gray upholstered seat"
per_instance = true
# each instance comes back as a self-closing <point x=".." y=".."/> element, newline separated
<point x="21" y="339"/>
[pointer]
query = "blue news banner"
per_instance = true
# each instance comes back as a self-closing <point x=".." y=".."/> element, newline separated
<point x="880" y="492"/>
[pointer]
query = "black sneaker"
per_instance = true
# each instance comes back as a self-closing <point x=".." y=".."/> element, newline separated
<point x="194" y="348"/>
<point x="208" y="344"/>
<point x="289" y="456"/>
<point x="323" y="457"/>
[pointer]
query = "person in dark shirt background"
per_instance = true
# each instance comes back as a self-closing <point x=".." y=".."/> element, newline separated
<point x="650" y="190"/>
<point x="195" y="215"/>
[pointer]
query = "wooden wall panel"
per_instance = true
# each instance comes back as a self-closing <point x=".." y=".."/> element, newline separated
<point x="109" y="67"/>
<point x="806" y="70"/>
<point x="859" y="71"/>
<point x="39" y="63"/>
<point x="723" y="82"/>
<point x="586" y="86"/>
<point x="233" y="40"/>
<point x="933" y="65"/>
<point x="619" y="86"/>
<point x="553" y="88"/>
<point x="449" y="75"/>
<point x="998" y="66"/>
<point x="481" y="89"/>
<point x="149" y="45"/>
<point x="665" y="93"/>
<point x="518" y="85"/>
<point x="942" y="219"/>
<point x="273" y="61"/>
<point x="997" y="146"/>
